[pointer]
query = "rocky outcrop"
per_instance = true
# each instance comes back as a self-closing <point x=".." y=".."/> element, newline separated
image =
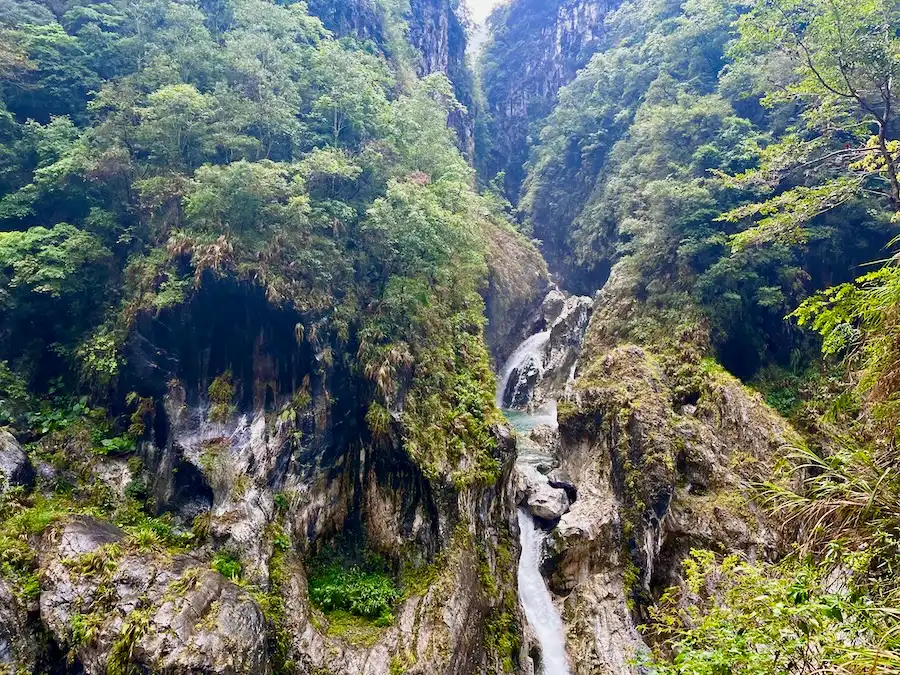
<point x="536" y="47"/>
<point x="655" y="477"/>
<point x="543" y="365"/>
<point x="19" y="648"/>
<point x="289" y="451"/>
<point x="516" y="283"/>
<point x="15" y="467"/>
<point x="111" y="603"/>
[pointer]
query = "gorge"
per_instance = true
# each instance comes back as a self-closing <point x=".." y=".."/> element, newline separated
<point x="330" y="345"/>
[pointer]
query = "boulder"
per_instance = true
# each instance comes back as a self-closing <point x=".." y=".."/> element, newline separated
<point x="553" y="305"/>
<point x="15" y="466"/>
<point x="561" y="480"/>
<point x="533" y="490"/>
<point x="161" y="613"/>
<point x="548" y="503"/>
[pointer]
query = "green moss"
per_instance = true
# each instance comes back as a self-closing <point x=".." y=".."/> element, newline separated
<point x="401" y="662"/>
<point x="221" y="397"/>
<point x="355" y="630"/>
<point x="503" y="639"/>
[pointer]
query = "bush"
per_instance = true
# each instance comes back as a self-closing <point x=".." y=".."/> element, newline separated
<point x="226" y="564"/>
<point x="362" y="593"/>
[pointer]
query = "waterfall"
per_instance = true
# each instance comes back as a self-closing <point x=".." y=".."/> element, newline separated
<point x="535" y="598"/>
<point x="532" y="348"/>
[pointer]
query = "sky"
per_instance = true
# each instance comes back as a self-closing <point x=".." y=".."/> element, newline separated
<point x="481" y="8"/>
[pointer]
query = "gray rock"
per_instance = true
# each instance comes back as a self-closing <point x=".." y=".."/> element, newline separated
<point x="172" y="613"/>
<point x="18" y="644"/>
<point x="15" y="466"/>
<point x="560" y="479"/>
<point x="549" y="503"/>
<point x="533" y="490"/>
<point x="553" y="306"/>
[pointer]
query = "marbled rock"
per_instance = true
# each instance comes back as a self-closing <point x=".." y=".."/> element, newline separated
<point x="162" y="613"/>
<point x="15" y="467"/>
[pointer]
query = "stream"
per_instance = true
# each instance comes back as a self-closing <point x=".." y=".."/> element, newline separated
<point x="534" y="595"/>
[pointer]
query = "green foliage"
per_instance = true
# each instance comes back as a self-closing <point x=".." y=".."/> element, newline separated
<point x="228" y="565"/>
<point x="859" y="321"/>
<point x="221" y="396"/>
<point x="368" y="594"/>
<point x="759" y="618"/>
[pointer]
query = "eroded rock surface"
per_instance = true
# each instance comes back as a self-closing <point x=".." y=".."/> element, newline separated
<point x="654" y="480"/>
<point x="110" y="603"/>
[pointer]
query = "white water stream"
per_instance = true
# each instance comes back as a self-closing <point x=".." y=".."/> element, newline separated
<point x="536" y="600"/>
<point x="533" y="593"/>
<point x="532" y="347"/>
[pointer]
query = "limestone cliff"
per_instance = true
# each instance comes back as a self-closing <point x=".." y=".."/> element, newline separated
<point x="536" y="47"/>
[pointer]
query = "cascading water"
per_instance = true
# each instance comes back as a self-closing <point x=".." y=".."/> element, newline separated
<point x="536" y="600"/>
<point x="526" y="364"/>
<point x="531" y="349"/>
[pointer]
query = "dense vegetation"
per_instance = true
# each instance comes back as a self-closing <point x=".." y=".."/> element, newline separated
<point x="734" y="164"/>
<point x="635" y="164"/>
<point x="154" y="151"/>
<point x="151" y="148"/>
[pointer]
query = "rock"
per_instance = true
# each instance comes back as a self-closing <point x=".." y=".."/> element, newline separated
<point x="548" y="504"/>
<point x="533" y="490"/>
<point x="627" y="438"/>
<point x="517" y="281"/>
<point x="171" y="612"/>
<point x="18" y="643"/>
<point x="15" y="466"/>
<point x="552" y="306"/>
<point x="560" y="479"/>
<point x="521" y="384"/>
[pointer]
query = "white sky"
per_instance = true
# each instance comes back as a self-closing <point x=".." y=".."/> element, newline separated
<point x="481" y="8"/>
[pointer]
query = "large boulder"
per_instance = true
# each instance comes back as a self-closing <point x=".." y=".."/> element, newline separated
<point x="110" y="603"/>
<point x="534" y="491"/>
<point x="15" y="467"/>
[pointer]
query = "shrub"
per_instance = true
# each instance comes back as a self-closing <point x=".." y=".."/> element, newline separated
<point x="362" y="593"/>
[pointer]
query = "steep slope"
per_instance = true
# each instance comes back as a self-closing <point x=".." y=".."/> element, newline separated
<point x="437" y="34"/>
<point x="535" y="48"/>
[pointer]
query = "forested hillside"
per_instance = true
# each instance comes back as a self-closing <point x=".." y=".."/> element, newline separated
<point x="726" y="173"/>
<point x="325" y="348"/>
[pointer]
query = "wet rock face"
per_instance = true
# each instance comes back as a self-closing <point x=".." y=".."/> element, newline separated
<point x="522" y="382"/>
<point x="540" y="368"/>
<point x="292" y="453"/>
<point x="15" y="467"/>
<point x="517" y="281"/>
<point x="109" y="603"/>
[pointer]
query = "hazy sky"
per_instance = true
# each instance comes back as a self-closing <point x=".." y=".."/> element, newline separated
<point x="481" y="8"/>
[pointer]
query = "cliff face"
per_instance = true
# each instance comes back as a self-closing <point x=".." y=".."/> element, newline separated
<point x="281" y="469"/>
<point x="536" y="48"/>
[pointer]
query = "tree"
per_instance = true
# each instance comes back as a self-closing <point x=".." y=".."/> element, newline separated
<point x="845" y="58"/>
